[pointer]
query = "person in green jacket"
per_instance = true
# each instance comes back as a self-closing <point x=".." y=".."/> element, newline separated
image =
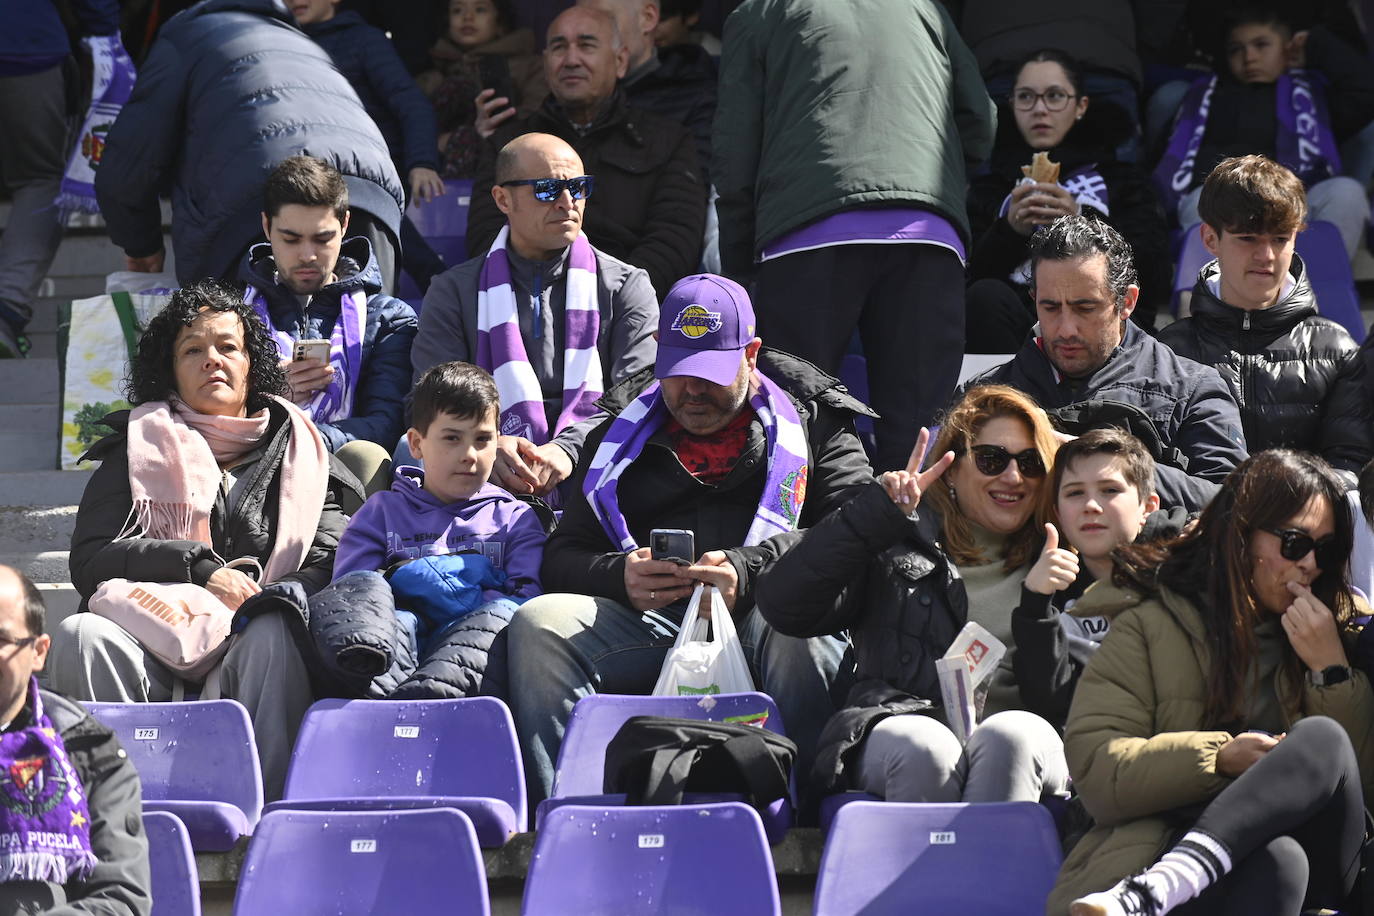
<point x="1220" y="737"/>
<point x="840" y="154"/>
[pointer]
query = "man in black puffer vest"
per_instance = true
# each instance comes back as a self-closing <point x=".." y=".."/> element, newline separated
<point x="1296" y="375"/>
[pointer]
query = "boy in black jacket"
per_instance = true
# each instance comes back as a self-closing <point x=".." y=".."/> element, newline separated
<point x="1104" y="496"/>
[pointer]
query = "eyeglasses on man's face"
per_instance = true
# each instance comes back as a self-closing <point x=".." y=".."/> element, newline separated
<point x="1056" y="99"/>
<point x="548" y="189"/>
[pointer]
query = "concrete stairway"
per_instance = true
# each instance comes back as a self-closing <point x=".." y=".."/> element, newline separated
<point x="38" y="503"/>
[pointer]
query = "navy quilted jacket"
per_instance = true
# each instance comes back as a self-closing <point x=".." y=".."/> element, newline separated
<point x="378" y="405"/>
<point x="387" y="90"/>
<point x="229" y="90"/>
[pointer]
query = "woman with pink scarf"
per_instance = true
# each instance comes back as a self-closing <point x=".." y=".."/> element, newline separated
<point x="212" y="469"/>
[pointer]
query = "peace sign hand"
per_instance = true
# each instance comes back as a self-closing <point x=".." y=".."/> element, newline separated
<point x="905" y="487"/>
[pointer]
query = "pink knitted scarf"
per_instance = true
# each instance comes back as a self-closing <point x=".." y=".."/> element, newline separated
<point x="175" y="456"/>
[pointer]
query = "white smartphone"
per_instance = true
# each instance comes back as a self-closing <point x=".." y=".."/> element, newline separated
<point x="311" y="349"/>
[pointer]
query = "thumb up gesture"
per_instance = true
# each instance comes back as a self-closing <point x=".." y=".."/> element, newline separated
<point x="1056" y="569"/>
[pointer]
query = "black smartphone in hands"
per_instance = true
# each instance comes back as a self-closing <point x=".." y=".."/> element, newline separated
<point x="493" y="71"/>
<point x="676" y="545"/>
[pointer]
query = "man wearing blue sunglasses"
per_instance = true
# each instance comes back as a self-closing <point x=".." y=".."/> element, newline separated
<point x="554" y="319"/>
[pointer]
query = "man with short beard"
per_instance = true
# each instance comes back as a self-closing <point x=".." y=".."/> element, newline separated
<point x="308" y="281"/>
<point x="1083" y="349"/>
<point x="740" y="444"/>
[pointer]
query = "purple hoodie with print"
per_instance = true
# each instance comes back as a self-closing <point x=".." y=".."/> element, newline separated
<point x="408" y="522"/>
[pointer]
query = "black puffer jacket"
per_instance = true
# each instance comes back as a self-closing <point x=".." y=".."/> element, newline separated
<point x="1134" y="209"/>
<point x="1190" y="406"/>
<point x="681" y="88"/>
<point x="230" y="89"/>
<point x="249" y="531"/>
<point x="649" y="207"/>
<point x="1296" y="375"/>
<point x="356" y="645"/>
<point x="656" y="491"/>
<point x="869" y="568"/>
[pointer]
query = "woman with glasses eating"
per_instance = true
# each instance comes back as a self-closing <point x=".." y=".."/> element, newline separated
<point x="1220" y="738"/>
<point x="1047" y="113"/>
<point x="903" y="566"/>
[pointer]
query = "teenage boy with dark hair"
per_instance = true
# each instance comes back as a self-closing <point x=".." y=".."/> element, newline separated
<point x="1296" y="376"/>
<point x="1101" y="495"/>
<point x="306" y="282"/>
<point x="445" y="510"/>
<point x="1292" y="97"/>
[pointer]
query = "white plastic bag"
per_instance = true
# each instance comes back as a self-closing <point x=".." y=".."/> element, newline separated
<point x="698" y="665"/>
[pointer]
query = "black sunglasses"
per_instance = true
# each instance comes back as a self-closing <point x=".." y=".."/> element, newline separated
<point x="1294" y="545"/>
<point x="991" y="460"/>
<point x="550" y="188"/>
<point x="22" y="643"/>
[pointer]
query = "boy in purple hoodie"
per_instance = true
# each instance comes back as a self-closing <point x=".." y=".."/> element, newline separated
<point x="476" y="548"/>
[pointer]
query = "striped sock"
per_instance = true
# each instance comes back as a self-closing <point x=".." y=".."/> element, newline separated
<point x="1196" y="863"/>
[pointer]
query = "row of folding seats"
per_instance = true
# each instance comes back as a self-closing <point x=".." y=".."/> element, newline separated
<point x="361" y="769"/>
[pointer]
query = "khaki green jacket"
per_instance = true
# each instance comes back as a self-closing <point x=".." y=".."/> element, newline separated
<point x="1136" y="741"/>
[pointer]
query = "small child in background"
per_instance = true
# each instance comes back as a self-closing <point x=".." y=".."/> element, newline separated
<point x="367" y="59"/>
<point x="1104" y="495"/>
<point x="471" y="551"/>
<point x="1291" y="97"/>
<point x="479" y="33"/>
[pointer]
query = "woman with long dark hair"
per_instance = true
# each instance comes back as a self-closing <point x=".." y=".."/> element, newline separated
<point x="1219" y="736"/>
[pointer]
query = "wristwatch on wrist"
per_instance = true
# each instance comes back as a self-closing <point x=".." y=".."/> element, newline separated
<point x="1328" y="676"/>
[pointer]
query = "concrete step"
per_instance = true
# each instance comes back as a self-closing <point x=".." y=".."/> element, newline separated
<point x="28" y="437"/>
<point x="86" y="256"/>
<point x="41" y="565"/>
<point x="25" y="529"/>
<point x="61" y="599"/>
<point x="32" y="380"/>
<point x="86" y="222"/>
<point x="43" y="488"/>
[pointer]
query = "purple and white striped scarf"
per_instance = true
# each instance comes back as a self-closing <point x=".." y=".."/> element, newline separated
<point x="334" y="402"/>
<point x="784" y="487"/>
<point x="1304" y="142"/>
<point x="501" y="349"/>
<point x="112" y="81"/>
<point x="44" y="816"/>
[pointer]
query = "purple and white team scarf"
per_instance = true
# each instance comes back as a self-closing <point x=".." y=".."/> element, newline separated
<point x="1086" y="186"/>
<point x="334" y="402"/>
<point x="45" y="821"/>
<point x="784" y="487"/>
<point x="501" y="349"/>
<point x="112" y="80"/>
<point x="1304" y="143"/>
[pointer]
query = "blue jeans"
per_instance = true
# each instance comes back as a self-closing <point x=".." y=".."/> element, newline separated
<point x="563" y="647"/>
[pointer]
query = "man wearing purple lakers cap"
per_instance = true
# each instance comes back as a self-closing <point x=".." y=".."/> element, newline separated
<point x="740" y="444"/>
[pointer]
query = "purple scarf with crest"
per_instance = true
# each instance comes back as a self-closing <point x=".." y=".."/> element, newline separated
<point x="45" y="823"/>
<point x="1304" y="142"/>
<point x="334" y="402"/>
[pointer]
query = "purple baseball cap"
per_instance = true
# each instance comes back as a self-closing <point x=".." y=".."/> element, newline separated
<point x="703" y="327"/>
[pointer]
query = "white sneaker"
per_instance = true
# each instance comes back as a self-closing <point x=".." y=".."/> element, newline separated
<point x="1130" y="897"/>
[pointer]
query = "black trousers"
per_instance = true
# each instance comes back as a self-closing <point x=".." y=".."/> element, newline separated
<point x="907" y="301"/>
<point x="1294" y="823"/>
<point x="997" y="317"/>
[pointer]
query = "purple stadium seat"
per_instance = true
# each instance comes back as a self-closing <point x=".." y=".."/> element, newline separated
<point x="888" y="857"/>
<point x="689" y="859"/>
<point x="394" y="754"/>
<point x="176" y="882"/>
<point x="196" y="760"/>
<point x="831" y="805"/>
<point x="444" y="221"/>
<point x="578" y="778"/>
<point x="359" y="863"/>
<point x="1328" y="270"/>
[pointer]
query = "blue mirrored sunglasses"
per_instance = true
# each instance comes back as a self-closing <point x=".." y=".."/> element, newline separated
<point x="550" y="188"/>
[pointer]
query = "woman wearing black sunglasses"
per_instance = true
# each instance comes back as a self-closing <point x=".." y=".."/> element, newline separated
<point x="1221" y="719"/>
<point x="903" y="566"/>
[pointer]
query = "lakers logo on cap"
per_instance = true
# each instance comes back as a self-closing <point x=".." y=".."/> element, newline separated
<point x="695" y="320"/>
